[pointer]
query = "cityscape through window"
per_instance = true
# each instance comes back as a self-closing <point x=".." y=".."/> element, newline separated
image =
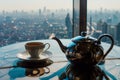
<point x="25" y="20"/>
<point x="38" y="19"/>
<point x="104" y="18"/>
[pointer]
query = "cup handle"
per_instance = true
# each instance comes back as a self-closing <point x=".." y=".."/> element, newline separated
<point x="48" y="70"/>
<point x="47" y="47"/>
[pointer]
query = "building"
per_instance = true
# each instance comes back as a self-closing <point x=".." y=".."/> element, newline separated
<point x="68" y="25"/>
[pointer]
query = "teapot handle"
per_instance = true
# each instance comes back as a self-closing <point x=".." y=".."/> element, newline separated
<point x="112" y="43"/>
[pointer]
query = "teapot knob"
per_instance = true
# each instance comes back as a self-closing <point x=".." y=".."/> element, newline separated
<point x="84" y="33"/>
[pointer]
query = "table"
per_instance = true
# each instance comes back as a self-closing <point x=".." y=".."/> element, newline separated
<point x="8" y="58"/>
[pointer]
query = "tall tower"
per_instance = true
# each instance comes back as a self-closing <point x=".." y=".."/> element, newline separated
<point x="104" y="30"/>
<point x="69" y="25"/>
<point x="104" y="27"/>
<point x="44" y="9"/>
<point x="3" y="12"/>
<point x="40" y="12"/>
<point x="118" y="33"/>
<point x="90" y="28"/>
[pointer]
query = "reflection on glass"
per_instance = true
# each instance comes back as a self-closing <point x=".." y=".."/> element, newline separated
<point x="20" y="21"/>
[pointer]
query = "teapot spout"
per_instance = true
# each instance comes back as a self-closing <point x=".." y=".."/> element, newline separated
<point x="62" y="47"/>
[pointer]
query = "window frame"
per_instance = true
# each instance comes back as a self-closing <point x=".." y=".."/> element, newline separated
<point x="82" y="16"/>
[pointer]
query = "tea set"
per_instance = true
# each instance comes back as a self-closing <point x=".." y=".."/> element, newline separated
<point x="81" y="50"/>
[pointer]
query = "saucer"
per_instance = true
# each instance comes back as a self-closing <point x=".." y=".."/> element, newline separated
<point x="25" y="56"/>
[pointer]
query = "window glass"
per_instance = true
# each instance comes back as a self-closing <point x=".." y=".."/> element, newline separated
<point x="76" y="17"/>
<point x="104" y="17"/>
<point x="25" y="20"/>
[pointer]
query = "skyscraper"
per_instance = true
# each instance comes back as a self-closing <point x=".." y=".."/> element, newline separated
<point x="68" y="25"/>
<point x="90" y="27"/>
<point x="104" y="28"/>
<point x="118" y="33"/>
<point x="40" y="12"/>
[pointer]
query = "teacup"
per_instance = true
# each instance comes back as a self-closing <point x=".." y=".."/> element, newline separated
<point x="36" y="48"/>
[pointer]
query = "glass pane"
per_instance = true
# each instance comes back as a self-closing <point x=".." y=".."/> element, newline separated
<point x="23" y="20"/>
<point x="104" y="17"/>
<point x="76" y="17"/>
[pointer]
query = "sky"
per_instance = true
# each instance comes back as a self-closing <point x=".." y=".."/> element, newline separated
<point x="108" y="4"/>
<point x="34" y="4"/>
<point x="10" y="5"/>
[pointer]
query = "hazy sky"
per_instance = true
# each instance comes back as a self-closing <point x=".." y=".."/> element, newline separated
<point x="108" y="4"/>
<point x="53" y="4"/>
<point x="34" y="4"/>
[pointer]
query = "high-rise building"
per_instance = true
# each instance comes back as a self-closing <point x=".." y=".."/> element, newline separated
<point x="109" y="21"/>
<point x="40" y="12"/>
<point x="3" y="12"/>
<point x="104" y="30"/>
<point x="104" y="27"/>
<point x="99" y="24"/>
<point x="115" y="18"/>
<point x="90" y="27"/>
<point x="118" y="33"/>
<point x="53" y="14"/>
<point x="44" y="9"/>
<point x="68" y="25"/>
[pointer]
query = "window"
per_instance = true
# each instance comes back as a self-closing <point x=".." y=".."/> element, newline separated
<point x="76" y="17"/>
<point x="25" y="20"/>
<point x="79" y="16"/>
<point x="104" y="17"/>
<point x="38" y="19"/>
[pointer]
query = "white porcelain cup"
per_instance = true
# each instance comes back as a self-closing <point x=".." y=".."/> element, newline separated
<point x="36" y="48"/>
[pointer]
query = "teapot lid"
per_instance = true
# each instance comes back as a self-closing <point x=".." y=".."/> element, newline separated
<point x="83" y="39"/>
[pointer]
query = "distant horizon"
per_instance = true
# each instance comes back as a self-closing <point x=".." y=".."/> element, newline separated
<point x="31" y="10"/>
<point x="99" y="9"/>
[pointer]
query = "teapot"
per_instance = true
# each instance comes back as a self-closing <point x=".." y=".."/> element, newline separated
<point x="85" y="49"/>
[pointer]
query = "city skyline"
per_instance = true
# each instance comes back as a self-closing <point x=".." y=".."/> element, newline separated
<point x="10" y="5"/>
<point x="27" y="5"/>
